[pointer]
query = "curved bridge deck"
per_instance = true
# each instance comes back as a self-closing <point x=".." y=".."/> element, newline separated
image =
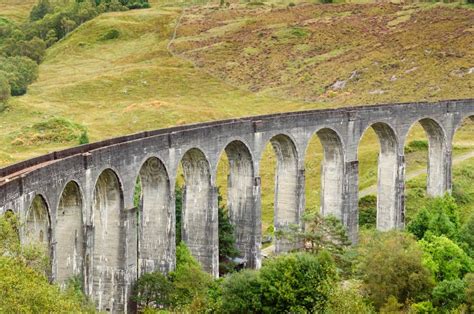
<point x="79" y="202"/>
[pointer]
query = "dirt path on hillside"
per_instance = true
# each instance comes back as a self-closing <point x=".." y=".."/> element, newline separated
<point x="372" y="190"/>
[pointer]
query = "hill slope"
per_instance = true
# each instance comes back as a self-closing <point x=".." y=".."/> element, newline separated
<point x="345" y="53"/>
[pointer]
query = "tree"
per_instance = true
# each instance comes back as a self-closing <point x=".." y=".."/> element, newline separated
<point x="347" y="300"/>
<point x="189" y="280"/>
<point x="23" y="286"/>
<point x="391" y="264"/>
<point x="469" y="280"/>
<point x="449" y="294"/>
<point x="241" y="292"/>
<point x="298" y="282"/>
<point x="227" y="245"/>
<point x="466" y="236"/>
<point x="21" y="72"/>
<point x="152" y="290"/>
<point x="4" y="88"/>
<point x="40" y="10"/>
<point x="439" y="217"/>
<point x="445" y="258"/>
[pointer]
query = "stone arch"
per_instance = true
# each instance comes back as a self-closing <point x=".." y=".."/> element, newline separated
<point x="155" y="217"/>
<point x="436" y="180"/>
<point x="388" y="174"/>
<point x="108" y="287"/>
<point x="38" y="224"/>
<point x="199" y="212"/>
<point x="332" y="173"/>
<point x="69" y="233"/>
<point x="241" y="201"/>
<point x="287" y="207"/>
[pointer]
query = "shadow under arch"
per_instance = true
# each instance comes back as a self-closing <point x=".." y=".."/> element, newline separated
<point x="108" y="262"/>
<point x="241" y="202"/>
<point x="37" y="228"/>
<point x="287" y="209"/>
<point x="332" y="173"/>
<point x="436" y="183"/>
<point x="155" y="218"/>
<point x="389" y="215"/>
<point x="69" y="234"/>
<point x="199" y="211"/>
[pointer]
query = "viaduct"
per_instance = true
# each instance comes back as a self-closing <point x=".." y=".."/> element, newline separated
<point x="79" y="202"/>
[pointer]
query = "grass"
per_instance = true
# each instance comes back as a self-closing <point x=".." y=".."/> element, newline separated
<point x="114" y="74"/>
<point x="16" y="10"/>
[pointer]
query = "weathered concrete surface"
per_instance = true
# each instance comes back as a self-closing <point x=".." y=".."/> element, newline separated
<point x="92" y="227"/>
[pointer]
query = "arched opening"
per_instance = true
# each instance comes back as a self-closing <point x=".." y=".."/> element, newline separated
<point x="37" y="226"/>
<point x="417" y="164"/>
<point x="286" y="198"/>
<point x="382" y="179"/>
<point x="69" y="234"/>
<point x="463" y="166"/>
<point x="238" y="205"/>
<point x="329" y="178"/>
<point x="436" y="181"/>
<point x="108" y="253"/>
<point x="154" y="217"/>
<point x="199" y="212"/>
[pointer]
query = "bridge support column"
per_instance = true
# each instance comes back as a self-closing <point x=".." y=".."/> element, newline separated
<point x="255" y="245"/>
<point x="200" y="227"/>
<point x="284" y="245"/>
<point x="350" y="216"/>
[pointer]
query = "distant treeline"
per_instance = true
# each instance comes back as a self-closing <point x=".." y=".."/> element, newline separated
<point x="22" y="46"/>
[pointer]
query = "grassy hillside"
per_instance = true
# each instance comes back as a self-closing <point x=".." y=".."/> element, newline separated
<point x="346" y="53"/>
<point x="114" y="85"/>
<point x="16" y="10"/>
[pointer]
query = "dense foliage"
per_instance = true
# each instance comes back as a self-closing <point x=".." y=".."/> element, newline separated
<point x="23" y="46"/>
<point x="24" y="287"/>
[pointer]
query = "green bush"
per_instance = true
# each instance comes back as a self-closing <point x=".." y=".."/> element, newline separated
<point x="439" y="217"/>
<point x="368" y="211"/>
<point x="189" y="280"/>
<point x="241" y="292"/>
<point x="5" y="90"/>
<point x="152" y="290"/>
<point x="416" y="146"/>
<point x="449" y="294"/>
<point x="347" y="300"/>
<point x="110" y="34"/>
<point x="21" y="72"/>
<point x="391" y="264"/>
<point x="466" y="236"/>
<point x="469" y="280"/>
<point x="298" y="282"/>
<point x="84" y="138"/>
<point x="445" y="258"/>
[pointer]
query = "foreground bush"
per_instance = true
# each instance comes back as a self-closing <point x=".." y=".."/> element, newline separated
<point x="391" y="264"/>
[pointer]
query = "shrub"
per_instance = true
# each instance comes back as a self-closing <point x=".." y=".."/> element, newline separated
<point x="54" y="130"/>
<point x="152" y="290"/>
<point x="391" y="264"/>
<point x="241" y="292"/>
<point x="449" y="294"/>
<point x="40" y="10"/>
<point x="189" y="280"/>
<point x="368" y="211"/>
<point x="416" y="146"/>
<point x="347" y="300"/>
<point x="439" y="217"/>
<point x="466" y="236"/>
<point x="469" y="280"/>
<point x="4" y="88"/>
<point x="445" y="258"/>
<point x="299" y="282"/>
<point x="84" y="138"/>
<point x="110" y="34"/>
<point x="21" y="72"/>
